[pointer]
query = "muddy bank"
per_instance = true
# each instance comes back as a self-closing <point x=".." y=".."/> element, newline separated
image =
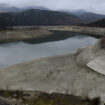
<point x="93" y="31"/>
<point x="34" y="36"/>
<point x="23" y="35"/>
<point x="96" y="32"/>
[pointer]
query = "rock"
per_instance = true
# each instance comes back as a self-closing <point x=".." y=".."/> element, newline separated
<point x="98" y="64"/>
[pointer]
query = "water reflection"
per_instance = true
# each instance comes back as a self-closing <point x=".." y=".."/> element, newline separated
<point x="18" y="52"/>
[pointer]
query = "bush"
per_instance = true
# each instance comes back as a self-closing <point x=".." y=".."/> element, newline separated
<point x="102" y="42"/>
<point x="96" y="101"/>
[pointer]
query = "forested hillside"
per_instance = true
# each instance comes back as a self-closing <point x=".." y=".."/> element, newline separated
<point x="100" y="23"/>
<point x="38" y="17"/>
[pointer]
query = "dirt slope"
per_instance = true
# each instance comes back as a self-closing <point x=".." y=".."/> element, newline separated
<point x="67" y="74"/>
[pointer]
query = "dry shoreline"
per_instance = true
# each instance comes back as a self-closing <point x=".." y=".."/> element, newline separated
<point x="54" y="73"/>
<point x="45" y="32"/>
<point x="94" y="31"/>
<point x="23" y="34"/>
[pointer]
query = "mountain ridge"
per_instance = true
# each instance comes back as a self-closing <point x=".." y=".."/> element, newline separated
<point x="5" y="8"/>
<point x="86" y="16"/>
<point x="91" y="17"/>
<point x="39" y="17"/>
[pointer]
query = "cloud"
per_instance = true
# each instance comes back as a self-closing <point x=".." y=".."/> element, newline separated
<point x="90" y="5"/>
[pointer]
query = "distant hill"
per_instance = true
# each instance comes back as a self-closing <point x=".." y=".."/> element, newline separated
<point x="78" y="12"/>
<point x="86" y="16"/>
<point x="4" y="8"/>
<point x="74" y="17"/>
<point x="35" y="7"/>
<point x="39" y="17"/>
<point x="91" y="17"/>
<point x="100" y="23"/>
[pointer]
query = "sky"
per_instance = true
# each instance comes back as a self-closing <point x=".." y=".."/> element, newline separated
<point x="97" y="6"/>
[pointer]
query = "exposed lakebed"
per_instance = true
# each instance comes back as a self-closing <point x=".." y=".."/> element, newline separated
<point x="17" y="52"/>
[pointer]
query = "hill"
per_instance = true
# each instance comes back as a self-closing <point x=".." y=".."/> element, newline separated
<point x="91" y="17"/>
<point x="86" y="16"/>
<point x="39" y="17"/>
<point x="4" y="23"/>
<point x="78" y="12"/>
<point x="82" y="15"/>
<point x="100" y="23"/>
<point x="5" y="8"/>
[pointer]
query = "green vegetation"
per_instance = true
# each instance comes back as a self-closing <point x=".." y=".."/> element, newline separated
<point x="38" y="98"/>
<point x="4" y="23"/>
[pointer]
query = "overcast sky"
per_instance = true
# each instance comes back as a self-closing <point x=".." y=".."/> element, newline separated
<point x="89" y="5"/>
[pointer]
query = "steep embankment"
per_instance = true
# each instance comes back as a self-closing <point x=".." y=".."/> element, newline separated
<point x="69" y="74"/>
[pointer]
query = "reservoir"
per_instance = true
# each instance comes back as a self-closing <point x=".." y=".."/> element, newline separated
<point x="18" y="52"/>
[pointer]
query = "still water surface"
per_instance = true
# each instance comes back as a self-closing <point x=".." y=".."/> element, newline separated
<point x="17" y="52"/>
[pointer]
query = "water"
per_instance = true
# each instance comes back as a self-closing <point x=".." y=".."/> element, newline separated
<point x="17" y="52"/>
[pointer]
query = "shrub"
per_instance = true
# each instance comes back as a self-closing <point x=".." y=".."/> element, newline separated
<point x="102" y="42"/>
<point x="96" y="101"/>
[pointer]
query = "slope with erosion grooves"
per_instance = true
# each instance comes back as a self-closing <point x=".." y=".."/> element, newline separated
<point x="68" y="74"/>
